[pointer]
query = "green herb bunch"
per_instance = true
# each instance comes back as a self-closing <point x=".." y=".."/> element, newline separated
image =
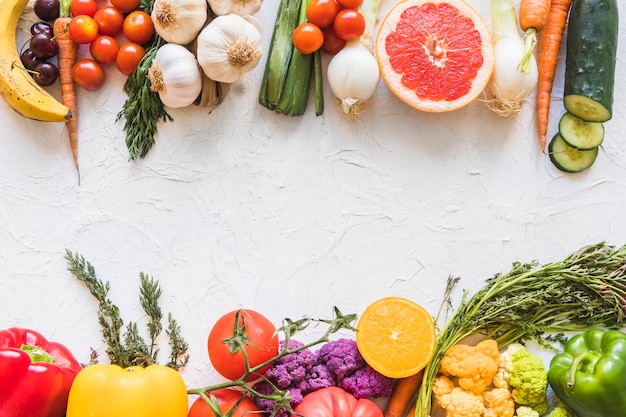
<point x="587" y="289"/>
<point x="126" y="347"/>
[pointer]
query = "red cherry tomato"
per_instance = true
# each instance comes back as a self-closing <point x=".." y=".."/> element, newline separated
<point x="109" y="20"/>
<point x="350" y="4"/>
<point x="322" y="12"/>
<point x="83" y="29"/>
<point x="332" y="43"/>
<point x="227" y="398"/>
<point x="307" y="38"/>
<point x="104" y="49"/>
<point x="138" y="27"/>
<point x="88" y="74"/>
<point x="125" y="6"/>
<point x="349" y="24"/>
<point x="261" y="345"/>
<point x="128" y="57"/>
<point x="86" y="7"/>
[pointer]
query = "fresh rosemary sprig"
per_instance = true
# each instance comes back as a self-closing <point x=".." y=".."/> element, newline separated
<point x="281" y="398"/>
<point x="133" y="350"/>
<point x="143" y="109"/>
<point x="586" y="289"/>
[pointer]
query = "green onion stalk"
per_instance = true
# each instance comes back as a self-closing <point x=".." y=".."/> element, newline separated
<point x="585" y="290"/>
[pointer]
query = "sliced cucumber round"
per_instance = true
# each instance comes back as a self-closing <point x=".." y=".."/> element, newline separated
<point x="569" y="159"/>
<point x="579" y="133"/>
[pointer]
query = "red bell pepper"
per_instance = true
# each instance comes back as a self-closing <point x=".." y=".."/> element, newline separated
<point x="335" y="402"/>
<point x="35" y="374"/>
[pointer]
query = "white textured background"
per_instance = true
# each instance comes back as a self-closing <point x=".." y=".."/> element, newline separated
<point x="289" y="216"/>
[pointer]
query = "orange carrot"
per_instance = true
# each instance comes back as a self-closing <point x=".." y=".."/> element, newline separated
<point x="404" y="391"/>
<point x="67" y="56"/>
<point x="549" y="45"/>
<point x="533" y="14"/>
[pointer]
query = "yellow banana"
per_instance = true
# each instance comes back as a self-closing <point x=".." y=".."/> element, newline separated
<point x="16" y="85"/>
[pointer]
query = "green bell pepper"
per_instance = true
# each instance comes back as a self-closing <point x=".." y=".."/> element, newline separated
<point x="589" y="376"/>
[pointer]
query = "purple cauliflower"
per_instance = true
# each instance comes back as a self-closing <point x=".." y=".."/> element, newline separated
<point x="292" y="372"/>
<point x="342" y="358"/>
<point x="366" y="382"/>
<point x="320" y="377"/>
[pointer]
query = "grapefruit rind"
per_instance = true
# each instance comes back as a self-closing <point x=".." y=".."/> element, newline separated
<point x="394" y="80"/>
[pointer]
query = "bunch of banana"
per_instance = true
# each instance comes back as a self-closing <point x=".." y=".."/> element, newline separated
<point x="18" y="88"/>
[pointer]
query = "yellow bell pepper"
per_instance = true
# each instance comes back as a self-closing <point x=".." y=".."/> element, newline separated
<point x="101" y="390"/>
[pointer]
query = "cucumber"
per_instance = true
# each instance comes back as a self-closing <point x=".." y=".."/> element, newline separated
<point x="569" y="159"/>
<point x="590" y="59"/>
<point x="579" y="133"/>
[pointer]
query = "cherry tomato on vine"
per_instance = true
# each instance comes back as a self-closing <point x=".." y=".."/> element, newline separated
<point x="322" y="12"/>
<point x="86" y="7"/>
<point x="128" y="57"/>
<point x="332" y="43"/>
<point x="104" y="49"/>
<point x="125" y="6"/>
<point x="138" y="27"/>
<point x="88" y="74"/>
<point x="261" y="345"/>
<point x="307" y="38"/>
<point x="349" y="24"/>
<point x="109" y="20"/>
<point x="83" y="29"/>
<point x="227" y="398"/>
<point x="350" y="4"/>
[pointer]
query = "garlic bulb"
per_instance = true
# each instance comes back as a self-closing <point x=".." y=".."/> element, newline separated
<point x="228" y="47"/>
<point x="175" y="75"/>
<point x="240" y="7"/>
<point x="179" y="21"/>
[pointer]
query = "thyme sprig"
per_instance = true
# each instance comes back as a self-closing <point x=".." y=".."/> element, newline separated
<point x="289" y="328"/>
<point x="127" y="347"/>
<point x="586" y="289"/>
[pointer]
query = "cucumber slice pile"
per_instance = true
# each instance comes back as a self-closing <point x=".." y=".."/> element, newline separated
<point x="590" y="57"/>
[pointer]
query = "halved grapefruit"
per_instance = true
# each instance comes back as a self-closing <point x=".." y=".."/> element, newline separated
<point x="435" y="55"/>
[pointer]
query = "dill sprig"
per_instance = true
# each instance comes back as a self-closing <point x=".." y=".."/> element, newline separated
<point x="143" y="110"/>
<point x="586" y="289"/>
<point x="127" y="347"/>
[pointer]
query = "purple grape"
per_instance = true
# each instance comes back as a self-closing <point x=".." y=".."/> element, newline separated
<point x="41" y="27"/>
<point x="46" y="73"/>
<point x="43" y="46"/>
<point x="46" y="10"/>
<point x="29" y="59"/>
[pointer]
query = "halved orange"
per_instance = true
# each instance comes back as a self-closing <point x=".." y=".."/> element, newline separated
<point x="396" y="336"/>
<point x="435" y="55"/>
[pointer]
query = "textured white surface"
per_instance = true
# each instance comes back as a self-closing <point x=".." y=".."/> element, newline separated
<point x="289" y="216"/>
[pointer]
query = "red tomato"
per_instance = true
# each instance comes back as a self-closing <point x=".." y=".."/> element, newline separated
<point x="83" y="29"/>
<point x="322" y="12"/>
<point x="349" y="24"/>
<point x="332" y="43"/>
<point x="109" y="20"/>
<point x="125" y="6"/>
<point x="128" y="57"/>
<point x="261" y="345"/>
<point x="88" y="74"/>
<point x="307" y="38"/>
<point x="104" y="49"/>
<point x="86" y="7"/>
<point x="138" y="27"/>
<point x="350" y="4"/>
<point x="226" y="398"/>
<point x="336" y="402"/>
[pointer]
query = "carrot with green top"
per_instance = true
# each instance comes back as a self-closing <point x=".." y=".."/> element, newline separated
<point x="67" y="57"/>
<point x="549" y="46"/>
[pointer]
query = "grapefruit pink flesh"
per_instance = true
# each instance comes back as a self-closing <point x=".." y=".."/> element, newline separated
<point x="435" y="55"/>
